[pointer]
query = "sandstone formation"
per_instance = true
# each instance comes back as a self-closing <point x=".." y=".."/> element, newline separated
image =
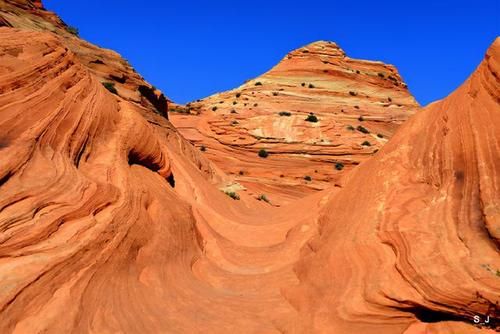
<point x="108" y="66"/>
<point x="415" y="232"/>
<point x="358" y="105"/>
<point x="112" y="222"/>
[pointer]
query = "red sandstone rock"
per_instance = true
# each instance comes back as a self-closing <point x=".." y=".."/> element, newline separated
<point x="38" y="4"/>
<point x="345" y="95"/>
<point x="106" y="65"/>
<point x="415" y="232"/>
<point x="111" y="222"/>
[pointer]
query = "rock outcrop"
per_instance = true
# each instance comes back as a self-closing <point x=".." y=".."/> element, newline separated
<point x="112" y="222"/>
<point x="414" y="235"/>
<point x="108" y="66"/>
<point x="318" y="114"/>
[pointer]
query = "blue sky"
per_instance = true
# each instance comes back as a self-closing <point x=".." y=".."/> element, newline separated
<point x="192" y="49"/>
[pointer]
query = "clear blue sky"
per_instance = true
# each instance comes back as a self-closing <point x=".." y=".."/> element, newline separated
<point x="191" y="49"/>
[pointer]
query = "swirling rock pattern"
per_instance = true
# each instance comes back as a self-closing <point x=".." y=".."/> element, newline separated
<point x="358" y="105"/>
<point x="414" y="233"/>
<point x="111" y="222"/>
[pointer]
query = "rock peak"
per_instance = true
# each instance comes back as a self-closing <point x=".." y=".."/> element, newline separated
<point x="323" y="43"/>
<point x="273" y="112"/>
<point x="326" y="48"/>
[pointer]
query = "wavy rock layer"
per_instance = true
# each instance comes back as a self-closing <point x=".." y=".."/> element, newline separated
<point x="109" y="222"/>
<point x="358" y="105"/>
<point x="106" y="65"/>
<point x="415" y="232"/>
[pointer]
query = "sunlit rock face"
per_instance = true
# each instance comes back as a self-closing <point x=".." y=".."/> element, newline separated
<point x="112" y="222"/>
<point x="415" y="232"/>
<point x="318" y="113"/>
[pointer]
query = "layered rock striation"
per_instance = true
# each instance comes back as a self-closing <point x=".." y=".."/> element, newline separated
<point x="318" y="113"/>
<point x="112" y="222"/>
<point x="414" y="234"/>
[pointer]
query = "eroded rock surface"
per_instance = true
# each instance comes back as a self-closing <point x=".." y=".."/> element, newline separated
<point x="318" y="114"/>
<point x="112" y="222"/>
<point x="415" y="231"/>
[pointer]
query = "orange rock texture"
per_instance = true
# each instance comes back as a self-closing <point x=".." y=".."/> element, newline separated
<point x="108" y="66"/>
<point x="318" y="114"/>
<point x="415" y="232"/>
<point x="112" y="222"/>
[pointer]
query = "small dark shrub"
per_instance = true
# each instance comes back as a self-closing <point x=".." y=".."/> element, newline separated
<point x="203" y="148"/>
<point x="214" y="109"/>
<point x="238" y="94"/>
<point x="233" y="111"/>
<point x="389" y="99"/>
<point x="356" y="107"/>
<point x="361" y="118"/>
<point x="263" y="198"/>
<point x="285" y="113"/>
<point x="350" y="127"/>
<point x="353" y="93"/>
<point x="233" y="195"/>
<point x="241" y="172"/>
<point x="303" y="84"/>
<point x="263" y="153"/>
<point x="358" y="72"/>
<point x="308" y="178"/>
<point x="73" y="30"/>
<point x="110" y="86"/>
<point x="275" y="94"/>
<point x="258" y="83"/>
<point x="312" y="118"/>
<point x="233" y="123"/>
<point x="311" y="86"/>
<point x="380" y="135"/>
<point x="339" y="166"/>
<point x="234" y="103"/>
<point x="362" y="129"/>
<point x="256" y="104"/>
<point x="366" y="143"/>
<point x="381" y="75"/>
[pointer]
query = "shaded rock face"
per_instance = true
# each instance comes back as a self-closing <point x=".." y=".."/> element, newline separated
<point x="111" y="222"/>
<point x="159" y="101"/>
<point x="318" y="113"/>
